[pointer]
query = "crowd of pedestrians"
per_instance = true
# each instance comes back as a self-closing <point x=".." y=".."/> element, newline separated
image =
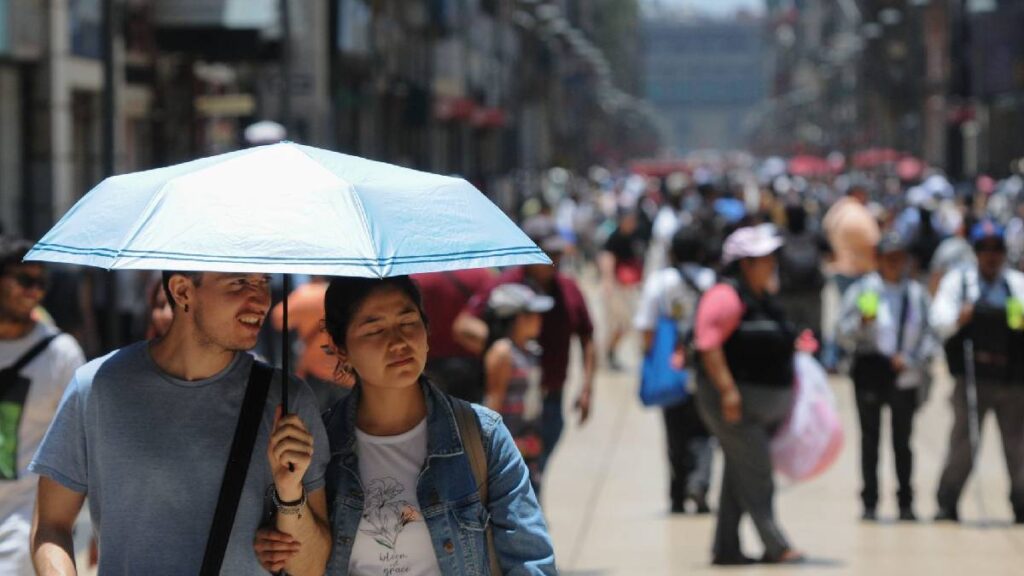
<point x="879" y="277"/>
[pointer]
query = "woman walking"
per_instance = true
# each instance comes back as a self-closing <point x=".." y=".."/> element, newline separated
<point x="402" y="491"/>
<point x="746" y="348"/>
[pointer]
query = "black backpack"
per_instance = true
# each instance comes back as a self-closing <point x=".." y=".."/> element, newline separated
<point x="800" y="264"/>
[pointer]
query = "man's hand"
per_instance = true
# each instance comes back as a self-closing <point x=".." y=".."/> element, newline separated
<point x="274" y="549"/>
<point x="583" y="404"/>
<point x="899" y="363"/>
<point x="732" y="407"/>
<point x="966" y="315"/>
<point x="290" y="444"/>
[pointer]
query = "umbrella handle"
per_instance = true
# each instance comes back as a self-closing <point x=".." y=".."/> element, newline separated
<point x="285" y="352"/>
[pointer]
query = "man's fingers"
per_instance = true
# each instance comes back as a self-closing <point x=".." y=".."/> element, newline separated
<point x="291" y="446"/>
<point x="287" y="431"/>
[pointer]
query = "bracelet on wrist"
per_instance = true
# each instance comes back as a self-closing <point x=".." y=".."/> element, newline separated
<point x="288" y="508"/>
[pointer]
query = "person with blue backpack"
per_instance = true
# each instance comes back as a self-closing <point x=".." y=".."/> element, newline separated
<point x="664" y="319"/>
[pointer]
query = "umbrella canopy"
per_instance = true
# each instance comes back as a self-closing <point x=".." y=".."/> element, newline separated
<point x="291" y="209"/>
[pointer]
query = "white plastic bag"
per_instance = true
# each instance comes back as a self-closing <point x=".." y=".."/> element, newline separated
<point x="812" y="437"/>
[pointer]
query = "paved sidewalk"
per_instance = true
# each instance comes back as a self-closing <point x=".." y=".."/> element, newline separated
<point x="607" y="501"/>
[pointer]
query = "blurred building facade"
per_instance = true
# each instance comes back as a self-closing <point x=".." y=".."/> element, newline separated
<point x="937" y="79"/>
<point x="488" y="89"/>
<point x="705" y="76"/>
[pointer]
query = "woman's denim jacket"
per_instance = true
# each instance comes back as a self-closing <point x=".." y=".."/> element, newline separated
<point x="447" y="494"/>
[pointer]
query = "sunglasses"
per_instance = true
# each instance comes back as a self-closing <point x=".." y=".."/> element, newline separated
<point x="28" y="281"/>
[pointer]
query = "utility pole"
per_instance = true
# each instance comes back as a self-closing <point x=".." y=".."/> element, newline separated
<point x="113" y="334"/>
<point x="286" y="67"/>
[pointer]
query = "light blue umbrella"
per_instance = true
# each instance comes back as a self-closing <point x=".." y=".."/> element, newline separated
<point x="291" y="209"/>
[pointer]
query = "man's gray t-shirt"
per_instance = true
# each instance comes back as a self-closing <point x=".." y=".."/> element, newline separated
<point x="149" y="450"/>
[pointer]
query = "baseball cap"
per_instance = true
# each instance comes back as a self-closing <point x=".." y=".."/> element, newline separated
<point x="751" y="242"/>
<point x="892" y="242"/>
<point x="987" y="229"/>
<point x="510" y="299"/>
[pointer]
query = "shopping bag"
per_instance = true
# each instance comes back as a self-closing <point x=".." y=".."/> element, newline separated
<point x="812" y="437"/>
<point x="663" y="376"/>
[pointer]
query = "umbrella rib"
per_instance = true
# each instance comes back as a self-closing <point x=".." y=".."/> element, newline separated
<point x="150" y="210"/>
<point x="146" y="216"/>
<point x="361" y="211"/>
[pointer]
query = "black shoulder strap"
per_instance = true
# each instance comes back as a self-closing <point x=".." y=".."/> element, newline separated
<point x="29" y="356"/>
<point x="472" y="442"/>
<point x="237" y="467"/>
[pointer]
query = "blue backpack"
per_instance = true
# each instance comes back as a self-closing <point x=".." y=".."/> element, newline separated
<point x="661" y="382"/>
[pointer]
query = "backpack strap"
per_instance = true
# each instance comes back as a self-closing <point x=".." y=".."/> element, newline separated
<point x="29" y="356"/>
<point x="472" y="442"/>
<point x="237" y="467"/>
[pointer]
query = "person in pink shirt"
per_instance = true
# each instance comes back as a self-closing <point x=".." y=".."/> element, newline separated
<point x="745" y="391"/>
<point x="853" y="235"/>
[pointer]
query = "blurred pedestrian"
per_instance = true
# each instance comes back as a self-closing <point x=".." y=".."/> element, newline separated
<point x="569" y="319"/>
<point x="884" y="326"/>
<point x="674" y="292"/>
<point x="621" y="264"/>
<point x="746" y="348"/>
<point x="315" y="364"/>
<point x="160" y="312"/>
<point x="980" y="312"/>
<point x="801" y="278"/>
<point x="852" y="233"/>
<point x="453" y="368"/>
<point x="36" y="364"/>
<point x="513" y="369"/>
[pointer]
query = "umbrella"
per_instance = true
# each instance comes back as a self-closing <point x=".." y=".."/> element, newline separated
<point x="807" y="165"/>
<point x="287" y="208"/>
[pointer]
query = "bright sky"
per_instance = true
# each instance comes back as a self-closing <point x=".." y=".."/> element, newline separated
<point x="716" y="7"/>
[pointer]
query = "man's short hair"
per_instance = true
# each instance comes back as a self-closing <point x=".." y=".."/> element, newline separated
<point x="12" y="251"/>
<point x="195" y="277"/>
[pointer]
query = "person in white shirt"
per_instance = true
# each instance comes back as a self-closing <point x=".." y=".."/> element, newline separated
<point x="674" y="291"/>
<point x="983" y="305"/>
<point x="36" y="364"/>
<point x="883" y="326"/>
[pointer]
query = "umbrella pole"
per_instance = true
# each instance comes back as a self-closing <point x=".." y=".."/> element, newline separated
<point x="285" y="348"/>
<point x="286" y="351"/>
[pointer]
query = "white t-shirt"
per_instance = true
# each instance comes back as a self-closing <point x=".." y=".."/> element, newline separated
<point x="393" y="539"/>
<point x="49" y="374"/>
<point x="665" y="293"/>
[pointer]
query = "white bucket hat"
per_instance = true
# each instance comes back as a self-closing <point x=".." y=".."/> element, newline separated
<point x="751" y="242"/>
<point x="510" y="299"/>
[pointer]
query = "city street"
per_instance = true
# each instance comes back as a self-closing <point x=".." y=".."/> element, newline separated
<point x="608" y="506"/>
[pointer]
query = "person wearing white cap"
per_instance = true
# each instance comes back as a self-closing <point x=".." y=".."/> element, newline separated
<point x="746" y="349"/>
<point x="512" y="368"/>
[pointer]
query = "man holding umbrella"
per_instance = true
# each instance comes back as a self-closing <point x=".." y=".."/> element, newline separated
<point x="144" y="433"/>
<point x="979" y="311"/>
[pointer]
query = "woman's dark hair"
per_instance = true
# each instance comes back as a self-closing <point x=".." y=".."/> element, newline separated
<point x="346" y="294"/>
<point x="688" y="245"/>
